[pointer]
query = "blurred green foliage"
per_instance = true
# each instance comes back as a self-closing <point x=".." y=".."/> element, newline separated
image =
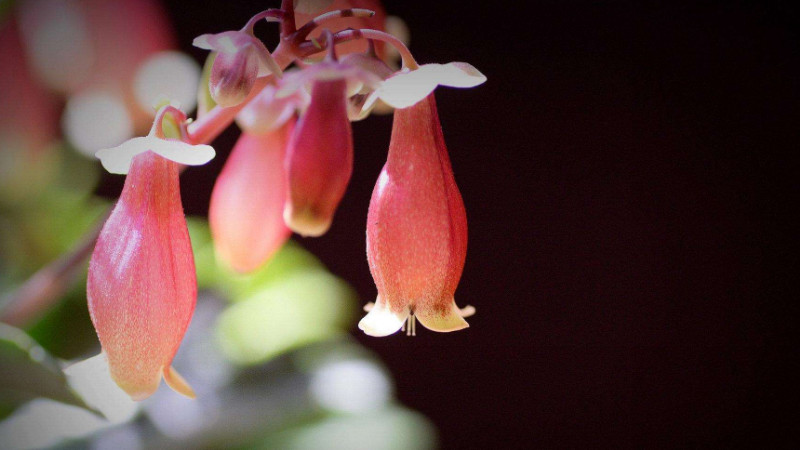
<point x="29" y="372"/>
<point x="273" y="330"/>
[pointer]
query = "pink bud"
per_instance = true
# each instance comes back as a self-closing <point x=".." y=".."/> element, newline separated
<point x="246" y="211"/>
<point x="240" y="59"/>
<point x="142" y="286"/>
<point x="319" y="160"/>
<point x="233" y="75"/>
<point x="416" y="229"/>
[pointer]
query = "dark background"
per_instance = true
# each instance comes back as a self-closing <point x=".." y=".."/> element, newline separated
<point x="624" y="169"/>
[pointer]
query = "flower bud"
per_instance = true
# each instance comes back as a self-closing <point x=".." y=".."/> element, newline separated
<point x="319" y="160"/>
<point x="240" y="59"/>
<point x="246" y="211"/>
<point x="141" y="286"/>
<point x="416" y="229"/>
<point x="233" y="75"/>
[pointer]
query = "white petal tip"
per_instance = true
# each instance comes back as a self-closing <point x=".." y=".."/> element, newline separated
<point x="381" y="321"/>
<point x="409" y="87"/>
<point x="447" y="321"/>
<point x="117" y="160"/>
<point x="203" y="41"/>
<point x="461" y="75"/>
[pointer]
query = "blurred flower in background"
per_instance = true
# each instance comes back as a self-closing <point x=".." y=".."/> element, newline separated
<point x="268" y="353"/>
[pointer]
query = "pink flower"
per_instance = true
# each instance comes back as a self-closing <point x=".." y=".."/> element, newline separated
<point x="319" y="159"/>
<point x="141" y="286"/>
<point x="416" y="229"/>
<point x="246" y="211"/>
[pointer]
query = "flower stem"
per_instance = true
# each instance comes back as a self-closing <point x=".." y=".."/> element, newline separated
<point x="275" y="14"/>
<point x="306" y="29"/>
<point x="307" y="49"/>
<point x="288" y="26"/>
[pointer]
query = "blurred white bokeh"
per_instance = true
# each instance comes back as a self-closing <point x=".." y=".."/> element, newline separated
<point x="351" y="386"/>
<point x="169" y="75"/>
<point x="94" y="120"/>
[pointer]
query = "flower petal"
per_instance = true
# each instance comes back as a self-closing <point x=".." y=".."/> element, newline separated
<point x="178" y="384"/>
<point x="118" y="159"/>
<point x="442" y="321"/>
<point x="205" y="41"/>
<point x="460" y="74"/>
<point x="407" y="88"/>
<point x="183" y="153"/>
<point x="382" y="321"/>
<point x="227" y="41"/>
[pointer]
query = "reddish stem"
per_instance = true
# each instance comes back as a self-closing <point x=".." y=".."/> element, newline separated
<point x="306" y="29"/>
<point x="288" y="25"/>
<point x="307" y="48"/>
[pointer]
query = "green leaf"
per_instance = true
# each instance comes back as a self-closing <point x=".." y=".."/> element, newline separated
<point x="203" y="249"/>
<point x="211" y="273"/>
<point x="66" y="330"/>
<point x="306" y="307"/>
<point x="77" y="173"/>
<point x="292" y="258"/>
<point x="5" y="8"/>
<point x="29" y="372"/>
<point x="393" y="428"/>
<point x="47" y="228"/>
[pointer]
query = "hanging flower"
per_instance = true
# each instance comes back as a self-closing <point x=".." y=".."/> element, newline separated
<point x="246" y="211"/>
<point x="319" y="159"/>
<point x="416" y="229"/>
<point x="141" y="286"/>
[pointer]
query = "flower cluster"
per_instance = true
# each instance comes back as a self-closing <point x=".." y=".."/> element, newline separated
<point x="287" y="173"/>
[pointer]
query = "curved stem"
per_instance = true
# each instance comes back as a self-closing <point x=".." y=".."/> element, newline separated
<point x="308" y="49"/>
<point x="331" y="55"/>
<point x="271" y="13"/>
<point x="288" y="26"/>
<point x="306" y="29"/>
<point x="158" y="122"/>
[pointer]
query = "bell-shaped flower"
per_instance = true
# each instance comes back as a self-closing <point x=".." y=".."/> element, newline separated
<point x="240" y="59"/>
<point x="416" y="229"/>
<point x="319" y="158"/>
<point x="246" y="210"/>
<point x="141" y="286"/>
